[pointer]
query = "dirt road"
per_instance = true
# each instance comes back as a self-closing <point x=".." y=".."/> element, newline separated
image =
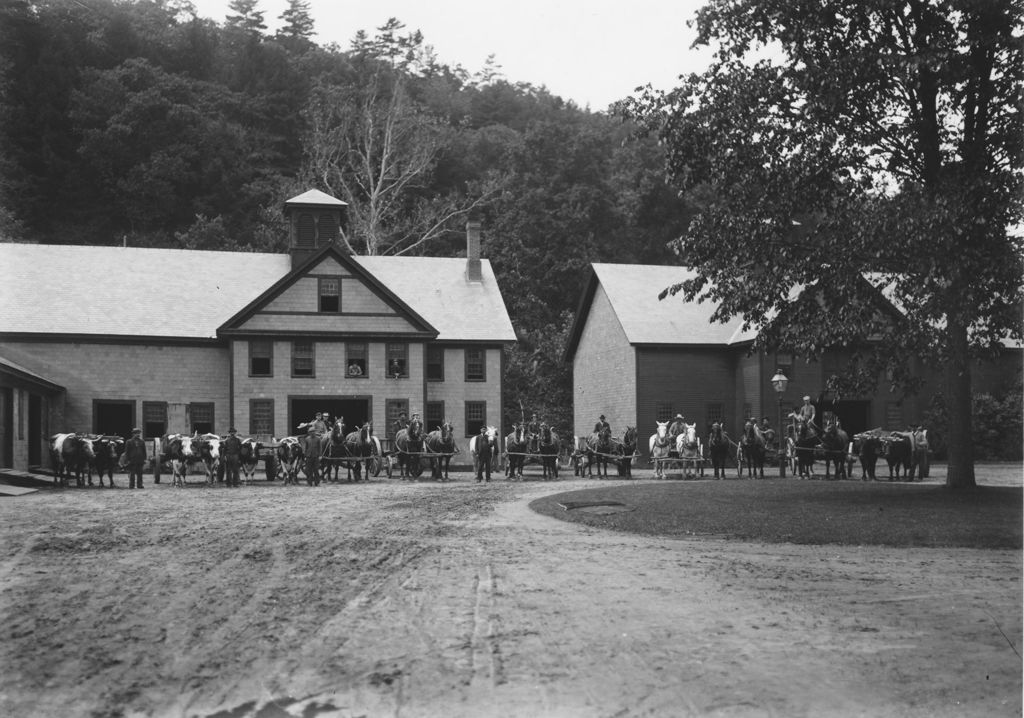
<point x="399" y="599"/>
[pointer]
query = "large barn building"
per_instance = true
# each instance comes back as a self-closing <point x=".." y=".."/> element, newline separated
<point x="639" y="360"/>
<point x="103" y="339"/>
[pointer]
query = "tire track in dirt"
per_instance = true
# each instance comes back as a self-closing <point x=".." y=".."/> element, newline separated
<point x="193" y="654"/>
<point x="485" y="655"/>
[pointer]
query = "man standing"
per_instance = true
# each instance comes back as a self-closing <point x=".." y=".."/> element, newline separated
<point x="135" y="458"/>
<point x="483" y="456"/>
<point x="232" y="450"/>
<point x="311" y="450"/>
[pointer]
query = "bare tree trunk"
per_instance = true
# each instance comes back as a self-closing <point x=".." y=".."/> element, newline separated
<point x="958" y="398"/>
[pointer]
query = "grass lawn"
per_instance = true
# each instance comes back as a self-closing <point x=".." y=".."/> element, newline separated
<point x="806" y="512"/>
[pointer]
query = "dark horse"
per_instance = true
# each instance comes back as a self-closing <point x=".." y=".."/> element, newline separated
<point x="807" y="441"/>
<point x="835" y="441"/>
<point x="599" y="451"/>
<point x="409" y="446"/>
<point x="515" y="450"/>
<point x="752" y="444"/>
<point x="332" y="446"/>
<point x="441" y="441"/>
<point x="627" y="449"/>
<point x="548" y="448"/>
<point x="359" y="445"/>
<point x="718" y="449"/>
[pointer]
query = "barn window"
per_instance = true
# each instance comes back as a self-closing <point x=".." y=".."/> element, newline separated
<point x="398" y="360"/>
<point x="330" y="294"/>
<point x="786" y="365"/>
<point x="893" y="415"/>
<point x="476" y="415"/>
<point x="663" y="411"/>
<point x="261" y="417"/>
<point x="476" y="368"/>
<point x="435" y="363"/>
<point x="435" y="414"/>
<point x="355" y="360"/>
<point x="392" y="409"/>
<point x="327" y="228"/>
<point x="201" y="416"/>
<point x="154" y="419"/>
<point x="261" y="358"/>
<point x="305" y="235"/>
<point x="713" y="412"/>
<point x="302" y="359"/>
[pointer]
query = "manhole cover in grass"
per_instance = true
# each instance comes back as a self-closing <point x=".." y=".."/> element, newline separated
<point x="596" y="507"/>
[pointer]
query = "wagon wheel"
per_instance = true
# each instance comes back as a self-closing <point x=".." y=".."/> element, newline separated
<point x="374" y="463"/>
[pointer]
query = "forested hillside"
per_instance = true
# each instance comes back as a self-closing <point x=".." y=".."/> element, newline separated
<point x="141" y="123"/>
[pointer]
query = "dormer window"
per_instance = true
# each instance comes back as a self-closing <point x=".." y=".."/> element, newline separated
<point x="330" y="295"/>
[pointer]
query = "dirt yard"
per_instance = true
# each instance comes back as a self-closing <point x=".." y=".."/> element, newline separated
<point x="400" y="599"/>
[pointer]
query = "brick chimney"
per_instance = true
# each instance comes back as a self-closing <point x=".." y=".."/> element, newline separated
<point x="473" y="271"/>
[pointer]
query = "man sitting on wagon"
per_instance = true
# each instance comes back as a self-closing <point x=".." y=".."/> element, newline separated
<point x="533" y="433"/>
<point x="676" y="427"/>
<point x="768" y="431"/>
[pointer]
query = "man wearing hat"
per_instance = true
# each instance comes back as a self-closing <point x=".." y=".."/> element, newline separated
<point x="231" y="448"/>
<point x="807" y="412"/>
<point x="601" y="424"/>
<point x="135" y="458"/>
<point x="483" y="456"/>
<point x="311" y="451"/>
<point x="676" y="427"/>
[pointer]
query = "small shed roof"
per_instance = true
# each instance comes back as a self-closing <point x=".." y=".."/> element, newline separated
<point x="189" y="294"/>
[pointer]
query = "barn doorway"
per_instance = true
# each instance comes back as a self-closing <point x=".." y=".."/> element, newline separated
<point x="355" y="409"/>
<point x="854" y="416"/>
<point x="111" y="417"/>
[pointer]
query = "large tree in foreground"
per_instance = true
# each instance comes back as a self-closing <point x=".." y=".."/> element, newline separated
<point x="885" y="138"/>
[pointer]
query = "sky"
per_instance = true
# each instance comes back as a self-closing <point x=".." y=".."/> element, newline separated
<point x="592" y="52"/>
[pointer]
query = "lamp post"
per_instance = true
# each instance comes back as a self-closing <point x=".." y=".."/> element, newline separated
<point x="779" y="382"/>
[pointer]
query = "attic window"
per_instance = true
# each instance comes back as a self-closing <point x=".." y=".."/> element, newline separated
<point x="330" y="295"/>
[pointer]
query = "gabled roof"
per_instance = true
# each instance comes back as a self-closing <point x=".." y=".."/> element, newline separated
<point x="346" y="260"/>
<point x="186" y="294"/>
<point x="633" y="290"/>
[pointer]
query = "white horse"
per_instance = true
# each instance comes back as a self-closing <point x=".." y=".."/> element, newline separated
<point x="660" y="446"/>
<point x="688" y="449"/>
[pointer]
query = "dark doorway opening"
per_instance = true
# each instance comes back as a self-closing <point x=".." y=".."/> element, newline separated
<point x="354" y="409"/>
<point x="854" y="416"/>
<point x="35" y="430"/>
<point x="115" y="418"/>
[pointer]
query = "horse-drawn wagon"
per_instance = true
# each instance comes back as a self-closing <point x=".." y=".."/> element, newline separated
<point x="684" y="451"/>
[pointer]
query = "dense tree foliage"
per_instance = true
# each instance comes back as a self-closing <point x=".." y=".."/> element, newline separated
<point x="137" y="121"/>
<point x="886" y="138"/>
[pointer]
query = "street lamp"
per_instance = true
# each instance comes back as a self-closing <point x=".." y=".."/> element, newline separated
<point x="779" y="382"/>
